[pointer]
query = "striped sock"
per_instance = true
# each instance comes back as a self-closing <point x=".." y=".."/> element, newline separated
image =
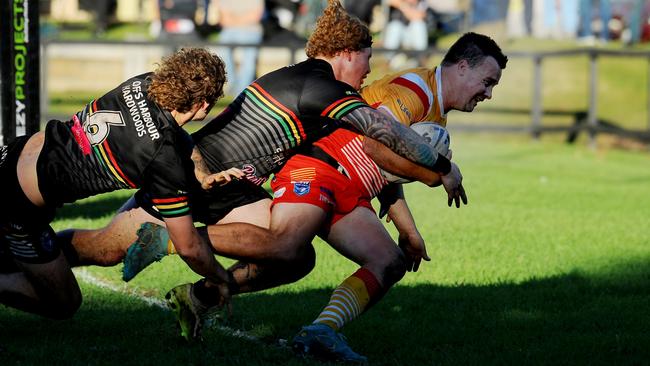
<point x="350" y="299"/>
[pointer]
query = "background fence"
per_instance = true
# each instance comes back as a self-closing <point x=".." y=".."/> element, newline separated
<point x="99" y="66"/>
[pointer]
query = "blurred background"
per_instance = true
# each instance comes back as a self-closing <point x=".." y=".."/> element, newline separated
<point x="578" y="69"/>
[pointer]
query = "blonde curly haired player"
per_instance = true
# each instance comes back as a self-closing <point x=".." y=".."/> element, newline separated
<point x="337" y="31"/>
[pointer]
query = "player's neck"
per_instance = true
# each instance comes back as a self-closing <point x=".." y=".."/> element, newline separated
<point x="182" y="117"/>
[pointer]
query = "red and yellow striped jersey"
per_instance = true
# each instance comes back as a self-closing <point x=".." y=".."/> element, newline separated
<point x="409" y="96"/>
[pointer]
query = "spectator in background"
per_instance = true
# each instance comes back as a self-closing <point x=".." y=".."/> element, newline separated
<point x="175" y="19"/>
<point x="586" y="16"/>
<point x="516" y="19"/>
<point x="634" y="23"/>
<point x="406" y="27"/>
<point x="241" y="23"/>
<point x="362" y="9"/>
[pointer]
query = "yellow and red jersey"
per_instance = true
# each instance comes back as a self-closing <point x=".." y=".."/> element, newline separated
<point x="410" y="96"/>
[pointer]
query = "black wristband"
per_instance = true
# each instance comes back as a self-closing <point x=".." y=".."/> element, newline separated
<point x="442" y="165"/>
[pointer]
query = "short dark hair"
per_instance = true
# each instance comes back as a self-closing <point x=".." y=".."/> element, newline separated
<point x="474" y="48"/>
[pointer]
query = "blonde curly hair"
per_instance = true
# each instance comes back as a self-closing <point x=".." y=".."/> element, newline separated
<point x="336" y="31"/>
<point x="187" y="77"/>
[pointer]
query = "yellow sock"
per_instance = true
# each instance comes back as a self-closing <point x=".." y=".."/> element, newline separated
<point x="350" y="299"/>
<point x="171" y="249"/>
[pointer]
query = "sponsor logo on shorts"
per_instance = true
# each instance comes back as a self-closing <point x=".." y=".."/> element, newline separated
<point x="326" y="199"/>
<point x="326" y="195"/>
<point x="280" y="192"/>
<point x="301" y="188"/>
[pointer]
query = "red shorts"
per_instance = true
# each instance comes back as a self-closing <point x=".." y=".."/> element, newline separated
<point x="307" y="180"/>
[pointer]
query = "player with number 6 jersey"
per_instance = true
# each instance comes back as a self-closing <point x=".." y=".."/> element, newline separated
<point x="129" y="138"/>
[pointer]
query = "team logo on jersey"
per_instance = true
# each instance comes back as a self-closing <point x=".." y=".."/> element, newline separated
<point x="250" y="172"/>
<point x="98" y="125"/>
<point x="280" y="192"/>
<point x="301" y="188"/>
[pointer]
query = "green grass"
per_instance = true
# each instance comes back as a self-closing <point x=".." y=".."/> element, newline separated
<point x="548" y="264"/>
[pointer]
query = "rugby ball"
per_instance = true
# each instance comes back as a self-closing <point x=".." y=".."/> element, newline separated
<point x="436" y="135"/>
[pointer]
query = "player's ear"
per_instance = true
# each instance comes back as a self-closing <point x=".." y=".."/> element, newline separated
<point x="462" y="66"/>
<point x="208" y="106"/>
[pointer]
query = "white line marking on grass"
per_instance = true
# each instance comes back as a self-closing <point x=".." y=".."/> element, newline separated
<point x="83" y="274"/>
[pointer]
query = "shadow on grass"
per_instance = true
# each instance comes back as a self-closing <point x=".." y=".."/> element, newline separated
<point x="568" y="319"/>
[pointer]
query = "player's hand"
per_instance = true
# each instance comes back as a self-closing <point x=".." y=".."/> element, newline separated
<point x="224" y="301"/>
<point x="453" y="183"/>
<point x="224" y="295"/>
<point x="221" y="178"/>
<point x="414" y="249"/>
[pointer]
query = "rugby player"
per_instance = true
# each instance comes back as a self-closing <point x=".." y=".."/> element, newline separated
<point x="266" y="124"/>
<point x="469" y="72"/>
<point x="129" y="138"/>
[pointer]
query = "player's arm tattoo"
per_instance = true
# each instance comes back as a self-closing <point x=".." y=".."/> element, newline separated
<point x="394" y="135"/>
<point x="200" y="167"/>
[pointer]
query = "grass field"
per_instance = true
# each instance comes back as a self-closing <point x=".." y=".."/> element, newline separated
<point x="548" y="264"/>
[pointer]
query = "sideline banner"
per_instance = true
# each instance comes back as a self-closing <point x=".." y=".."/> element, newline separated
<point x="20" y="68"/>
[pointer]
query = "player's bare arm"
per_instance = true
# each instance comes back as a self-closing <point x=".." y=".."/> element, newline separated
<point x="200" y="168"/>
<point x="407" y="143"/>
<point x="396" y="137"/>
<point x="410" y="240"/>
<point x="386" y="159"/>
<point x="194" y="250"/>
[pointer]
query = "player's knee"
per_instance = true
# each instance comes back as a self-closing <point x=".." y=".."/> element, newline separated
<point x="290" y="252"/>
<point x="63" y="307"/>
<point x="65" y="311"/>
<point x="395" y="269"/>
<point x="299" y="260"/>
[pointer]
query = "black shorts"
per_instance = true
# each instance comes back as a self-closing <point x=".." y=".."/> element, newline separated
<point x="25" y="233"/>
<point x="209" y="207"/>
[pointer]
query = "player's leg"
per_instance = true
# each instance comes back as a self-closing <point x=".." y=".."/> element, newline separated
<point x="241" y="207"/>
<point x="297" y="224"/>
<point x="360" y="237"/>
<point x="241" y="234"/>
<point x="289" y="255"/>
<point x="44" y="283"/>
<point x="108" y="246"/>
